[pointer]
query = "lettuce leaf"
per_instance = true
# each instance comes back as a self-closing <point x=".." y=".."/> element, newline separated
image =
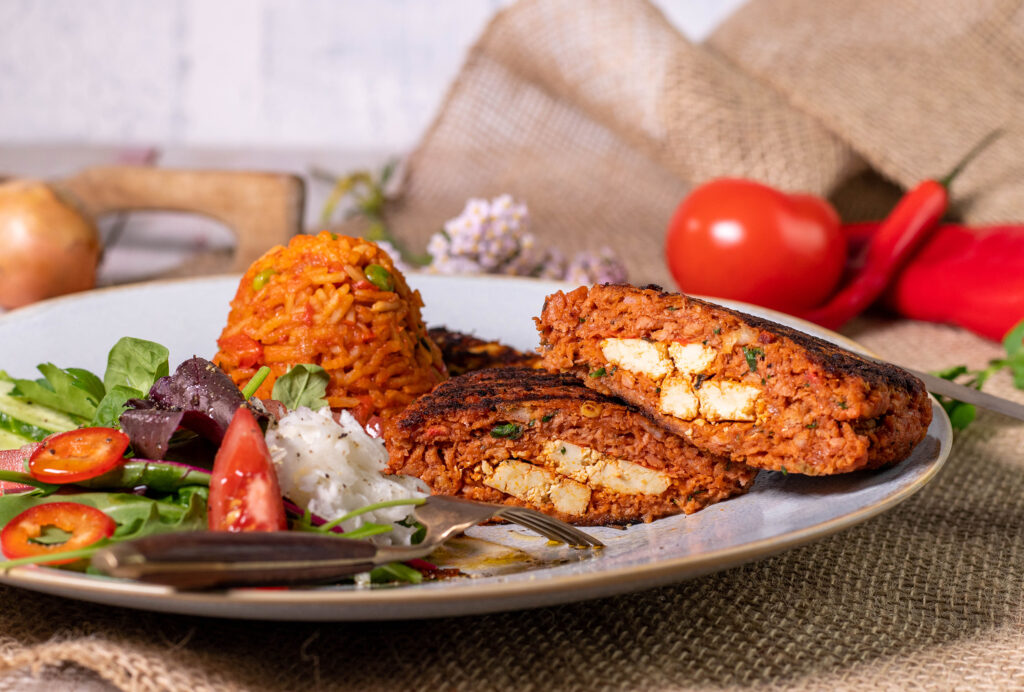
<point x="303" y="385"/>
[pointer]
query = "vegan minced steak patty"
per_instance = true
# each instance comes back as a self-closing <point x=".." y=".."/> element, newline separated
<point x="465" y="352"/>
<point x="733" y="384"/>
<point x="530" y="438"/>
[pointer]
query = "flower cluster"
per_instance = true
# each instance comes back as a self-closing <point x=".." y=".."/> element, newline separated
<point x="494" y="238"/>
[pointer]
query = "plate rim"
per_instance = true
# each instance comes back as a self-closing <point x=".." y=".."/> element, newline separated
<point x="480" y="597"/>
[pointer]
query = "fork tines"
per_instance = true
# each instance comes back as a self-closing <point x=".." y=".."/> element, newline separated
<point x="550" y="527"/>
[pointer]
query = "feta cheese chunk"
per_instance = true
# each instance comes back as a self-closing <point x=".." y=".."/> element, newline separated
<point x="691" y="359"/>
<point x="637" y="355"/>
<point x="539" y="486"/>
<point x="678" y="398"/>
<point x="726" y="400"/>
<point x="600" y="470"/>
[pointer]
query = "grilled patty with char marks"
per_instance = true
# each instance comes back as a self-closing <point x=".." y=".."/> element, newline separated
<point x="734" y="384"/>
<point x="465" y="353"/>
<point x="535" y="439"/>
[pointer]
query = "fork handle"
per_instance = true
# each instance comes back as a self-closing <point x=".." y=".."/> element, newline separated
<point x="218" y="559"/>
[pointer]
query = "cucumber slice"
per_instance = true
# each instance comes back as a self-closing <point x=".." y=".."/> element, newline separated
<point x="30" y="420"/>
<point x="9" y="440"/>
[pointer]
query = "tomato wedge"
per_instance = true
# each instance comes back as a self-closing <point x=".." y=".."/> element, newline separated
<point x="248" y="351"/>
<point x="77" y="455"/>
<point x="20" y="537"/>
<point x="14" y="460"/>
<point x="244" y="494"/>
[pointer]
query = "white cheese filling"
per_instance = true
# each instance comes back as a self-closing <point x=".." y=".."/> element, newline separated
<point x="600" y="470"/>
<point x="538" y="486"/>
<point x="637" y="355"/>
<point x="678" y="369"/>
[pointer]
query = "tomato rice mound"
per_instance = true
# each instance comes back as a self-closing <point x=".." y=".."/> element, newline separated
<point x="313" y="302"/>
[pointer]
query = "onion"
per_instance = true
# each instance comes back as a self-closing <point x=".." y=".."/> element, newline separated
<point x="49" y="247"/>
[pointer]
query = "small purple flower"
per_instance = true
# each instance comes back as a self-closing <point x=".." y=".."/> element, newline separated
<point x="601" y="267"/>
<point x="486" y="238"/>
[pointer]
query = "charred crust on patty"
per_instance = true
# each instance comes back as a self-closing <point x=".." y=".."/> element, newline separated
<point x="530" y="438"/>
<point x="461" y="394"/>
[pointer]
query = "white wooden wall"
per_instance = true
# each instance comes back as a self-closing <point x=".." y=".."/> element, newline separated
<point x="342" y="74"/>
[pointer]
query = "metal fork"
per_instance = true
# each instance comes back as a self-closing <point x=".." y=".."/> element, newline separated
<point x="214" y="559"/>
<point x="445" y="517"/>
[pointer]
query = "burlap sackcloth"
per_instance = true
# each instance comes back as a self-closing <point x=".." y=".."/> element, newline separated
<point x="601" y="116"/>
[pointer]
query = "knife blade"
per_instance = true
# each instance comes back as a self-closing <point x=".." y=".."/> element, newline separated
<point x="969" y="395"/>
<point x="218" y="559"/>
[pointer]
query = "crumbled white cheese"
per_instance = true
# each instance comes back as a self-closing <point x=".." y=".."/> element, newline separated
<point x="600" y="470"/>
<point x="637" y="355"/>
<point x="539" y="486"/>
<point x="691" y="358"/>
<point x="725" y="400"/>
<point x="678" y="398"/>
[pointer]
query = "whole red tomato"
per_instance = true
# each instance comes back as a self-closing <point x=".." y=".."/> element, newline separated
<point x="746" y="241"/>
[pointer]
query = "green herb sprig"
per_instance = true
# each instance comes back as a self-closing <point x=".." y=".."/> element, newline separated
<point x="752" y="354"/>
<point x="510" y="431"/>
<point x="366" y="194"/>
<point x="963" y="414"/>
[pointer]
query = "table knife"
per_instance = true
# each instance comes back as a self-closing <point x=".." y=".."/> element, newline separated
<point x="969" y="395"/>
<point x="219" y="559"/>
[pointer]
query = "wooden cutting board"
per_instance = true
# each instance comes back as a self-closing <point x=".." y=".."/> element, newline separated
<point x="260" y="209"/>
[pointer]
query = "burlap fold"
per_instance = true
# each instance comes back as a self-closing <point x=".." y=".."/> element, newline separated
<point x="600" y="116"/>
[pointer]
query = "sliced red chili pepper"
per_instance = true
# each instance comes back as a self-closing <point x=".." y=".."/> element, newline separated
<point x="903" y="231"/>
<point x="77" y="455"/>
<point x="86" y="525"/>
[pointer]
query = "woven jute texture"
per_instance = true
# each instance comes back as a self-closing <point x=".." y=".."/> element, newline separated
<point x="601" y="116"/>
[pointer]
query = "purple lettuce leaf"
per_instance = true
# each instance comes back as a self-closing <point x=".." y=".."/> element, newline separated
<point x="150" y="429"/>
<point x="205" y="394"/>
<point x="199" y="396"/>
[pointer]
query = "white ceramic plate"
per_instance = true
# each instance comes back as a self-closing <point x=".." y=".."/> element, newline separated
<point x="780" y="512"/>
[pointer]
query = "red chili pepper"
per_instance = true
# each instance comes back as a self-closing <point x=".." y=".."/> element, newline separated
<point x="970" y="277"/>
<point x="77" y="455"/>
<point x="86" y="525"/>
<point x="902" y="232"/>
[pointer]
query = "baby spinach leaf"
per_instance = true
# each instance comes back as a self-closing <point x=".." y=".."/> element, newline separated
<point x="62" y="390"/>
<point x="135" y="515"/>
<point x="51" y="535"/>
<point x="84" y="379"/>
<point x="135" y="363"/>
<point x="181" y="511"/>
<point x="113" y="404"/>
<point x="303" y="385"/>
